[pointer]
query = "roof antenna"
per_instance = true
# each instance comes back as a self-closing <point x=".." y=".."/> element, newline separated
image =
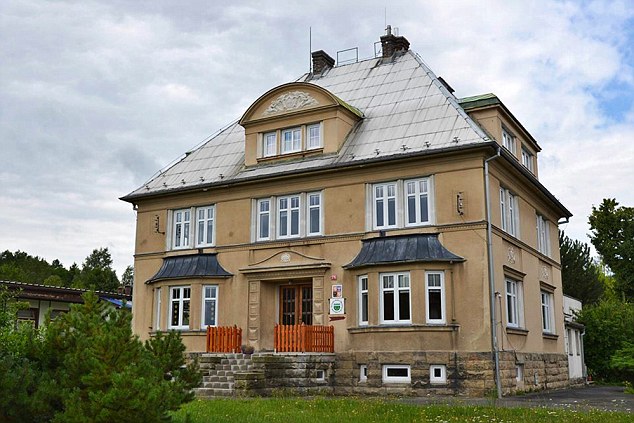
<point x="385" y="17"/>
<point x="310" y="49"/>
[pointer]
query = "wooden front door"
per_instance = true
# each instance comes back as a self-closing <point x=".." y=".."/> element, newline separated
<point x="296" y="304"/>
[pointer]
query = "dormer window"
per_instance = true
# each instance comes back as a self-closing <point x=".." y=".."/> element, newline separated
<point x="314" y="136"/>
<point x="291" y="140"/>
<point x="508" y="140"/>
<point x="270" y="144"/>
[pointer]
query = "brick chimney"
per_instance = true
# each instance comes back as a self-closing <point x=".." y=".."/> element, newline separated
<point x="321" y="61"/>
<point x="391" y="44"/>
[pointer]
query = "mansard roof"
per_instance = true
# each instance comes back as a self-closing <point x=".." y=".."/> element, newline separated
<point x="406" y="111"/>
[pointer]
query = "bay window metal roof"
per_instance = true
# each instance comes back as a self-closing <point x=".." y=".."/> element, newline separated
<point x="416" y="248"/>
<point x="190" y="266"/>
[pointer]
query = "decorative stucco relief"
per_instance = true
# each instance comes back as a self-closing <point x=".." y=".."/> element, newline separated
<point x="545" y="273"/>
<point x="290" y="101"/>
<point x="511" y="255"/>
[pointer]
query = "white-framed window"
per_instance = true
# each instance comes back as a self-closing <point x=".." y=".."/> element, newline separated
<point x="514" y="304"/>
<point x="157" y="303"/>
<point x="509" y="211"/>
<point x="289" y="216"/>
<point x="402" y="203"/>
<point x="395" y="298"/>
<point x="437" y="374"/>
<point x="320" y="375"/>
<point x="263" y="219"/>
<point x="269" y="144"/>
<point x="363" y="300"/>
<point x="182" y="223"/>
<point x="291" y="140"/>
<point x="578" y="339"/>
<point x="314" y="213"/>
<point x="363" y="373"/>
<point x="194" y="226"/>
<point x="179" y="307"/>
<point x="435" y="298"/>
<point x="543" y="236"/>
<point x="205" y="218"/>
<point x="548" y="325"/>
<point x="396" y="373"/>
<point x="508" y="140"/>
<point x="417" y="202"/>
<point x="210" y="306"/>
<point x="519" y="372"/>
<point x="569" y="341"/>
<point x="528" y="160"/>
<point x="313" y="136"/>
<point x="385" y="205"/>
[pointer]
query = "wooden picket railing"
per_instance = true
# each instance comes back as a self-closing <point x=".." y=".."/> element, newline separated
<point x="224" y="339"/>
<point x="304" y="338"/>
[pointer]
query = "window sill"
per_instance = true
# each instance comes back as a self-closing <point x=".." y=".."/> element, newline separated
<point x="517" y="331"/>
<point x="404" y="328"/>
<point x="291" y="155"/>
<point x="552" y="336"/>
<point x="183" y="332"/>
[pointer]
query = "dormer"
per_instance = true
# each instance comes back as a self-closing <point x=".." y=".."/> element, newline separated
<point x="497" y="120"/>
<point x="296" y="120"/>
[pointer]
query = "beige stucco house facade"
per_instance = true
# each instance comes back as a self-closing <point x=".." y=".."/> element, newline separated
<point x="421" y="213"/>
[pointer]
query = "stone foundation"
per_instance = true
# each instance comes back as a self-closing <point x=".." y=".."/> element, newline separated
<point x="467" y="374"/>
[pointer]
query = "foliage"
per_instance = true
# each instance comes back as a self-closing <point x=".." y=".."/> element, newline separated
<point x="613" y="237"/>
<point x="88" y="366"/>
<point x="580" y="275"/>
<point x="97" y="273"/>
<point x="127" y="279"/>
<point x="623" y="361"/>
<point x="22" y="267"/>
<point x="609" y="325"/>
<point x="351" y="410"/>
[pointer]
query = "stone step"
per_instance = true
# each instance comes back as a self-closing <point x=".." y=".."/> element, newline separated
<point x="218" y="378"/>
<point x="218" y="385"/>
<point x="212" y="392"/>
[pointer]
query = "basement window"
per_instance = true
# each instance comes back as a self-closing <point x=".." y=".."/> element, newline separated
<point x="437" y="374"/>
<point x="393" y="373"/>
<point x="363" y="373"/>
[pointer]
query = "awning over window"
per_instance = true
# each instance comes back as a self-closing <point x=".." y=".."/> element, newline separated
<point x="190" y="266"/>
<point x="402" y="249"/>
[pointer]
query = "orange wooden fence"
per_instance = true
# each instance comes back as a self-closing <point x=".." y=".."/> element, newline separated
<point x="225" y="339"/>
<point x="304" y="338"/>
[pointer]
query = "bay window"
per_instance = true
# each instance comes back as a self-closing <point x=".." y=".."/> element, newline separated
<point x="395" y="298"/>
<point x="363" y="300"/>
<point x="179" y="307"/>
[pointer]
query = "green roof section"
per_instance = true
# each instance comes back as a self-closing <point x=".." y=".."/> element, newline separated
<point x="479" y="101"/>
<point x="350" y="107"/>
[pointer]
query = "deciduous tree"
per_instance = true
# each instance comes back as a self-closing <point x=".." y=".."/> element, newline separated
<point x="579" y="273"/>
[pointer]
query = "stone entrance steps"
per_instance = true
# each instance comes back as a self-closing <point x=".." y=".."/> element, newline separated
<point x="219" y="371"/>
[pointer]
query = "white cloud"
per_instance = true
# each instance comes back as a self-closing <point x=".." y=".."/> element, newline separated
<point x="98" y="96"/>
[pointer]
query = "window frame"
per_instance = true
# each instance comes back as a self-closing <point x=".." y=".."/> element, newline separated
<point x="293" y="148"/>
<point x="547" y="311"/>
<point x="266" y="151"/>
<point x="543" y="235"/>
<point x="438" y="380"/>
<point x="309" y="216"/>
<point x="273" y="218"/>
<point x="396" y="379"/>
<point x="259" y="214"/>
<point x="442" y="320"/>
<point x="185" y="229"/>
<point x="417" y="195"/>
<point x="290" y="210"/>
<point x="158" y="304"/>
<point x="205" y="220"/>
<point x="213" y="299"/>
<point x="509" y="211"/>
<point x="181" y="309"/>
<point x="363" y="373"/>
<point x="309" y="138"/>
<point x="396" y="290"/>
<point x="363" y="295"/>
<point x="517" y="301"/>
<point x="508" y="140"/>
<point x="528" y="159"/>
<point x="385" y="198"/>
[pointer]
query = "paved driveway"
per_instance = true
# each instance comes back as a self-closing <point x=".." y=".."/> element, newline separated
<point x="598" y="397"/>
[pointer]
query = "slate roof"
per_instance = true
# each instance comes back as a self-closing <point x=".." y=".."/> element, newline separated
<point x="402" y="249"/>
<point x="190" y="266"/>
<point x="406" y="110"/>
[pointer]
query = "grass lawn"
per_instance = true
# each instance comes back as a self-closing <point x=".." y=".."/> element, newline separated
<point x="297" y="410"/>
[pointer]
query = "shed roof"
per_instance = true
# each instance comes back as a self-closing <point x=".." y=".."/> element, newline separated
<point x="402" y="249"/>
<point x="190" y="266"/>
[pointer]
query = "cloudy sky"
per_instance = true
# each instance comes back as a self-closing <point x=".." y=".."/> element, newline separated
<point x="96" y="96"/>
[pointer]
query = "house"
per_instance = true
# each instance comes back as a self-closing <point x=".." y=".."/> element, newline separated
<point x="573" y="338"/>
<point x="51" y="301"/>
<point x="368" y="198"/>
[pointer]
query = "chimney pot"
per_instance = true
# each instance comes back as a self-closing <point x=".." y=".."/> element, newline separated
<point x="321" y="61"/>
